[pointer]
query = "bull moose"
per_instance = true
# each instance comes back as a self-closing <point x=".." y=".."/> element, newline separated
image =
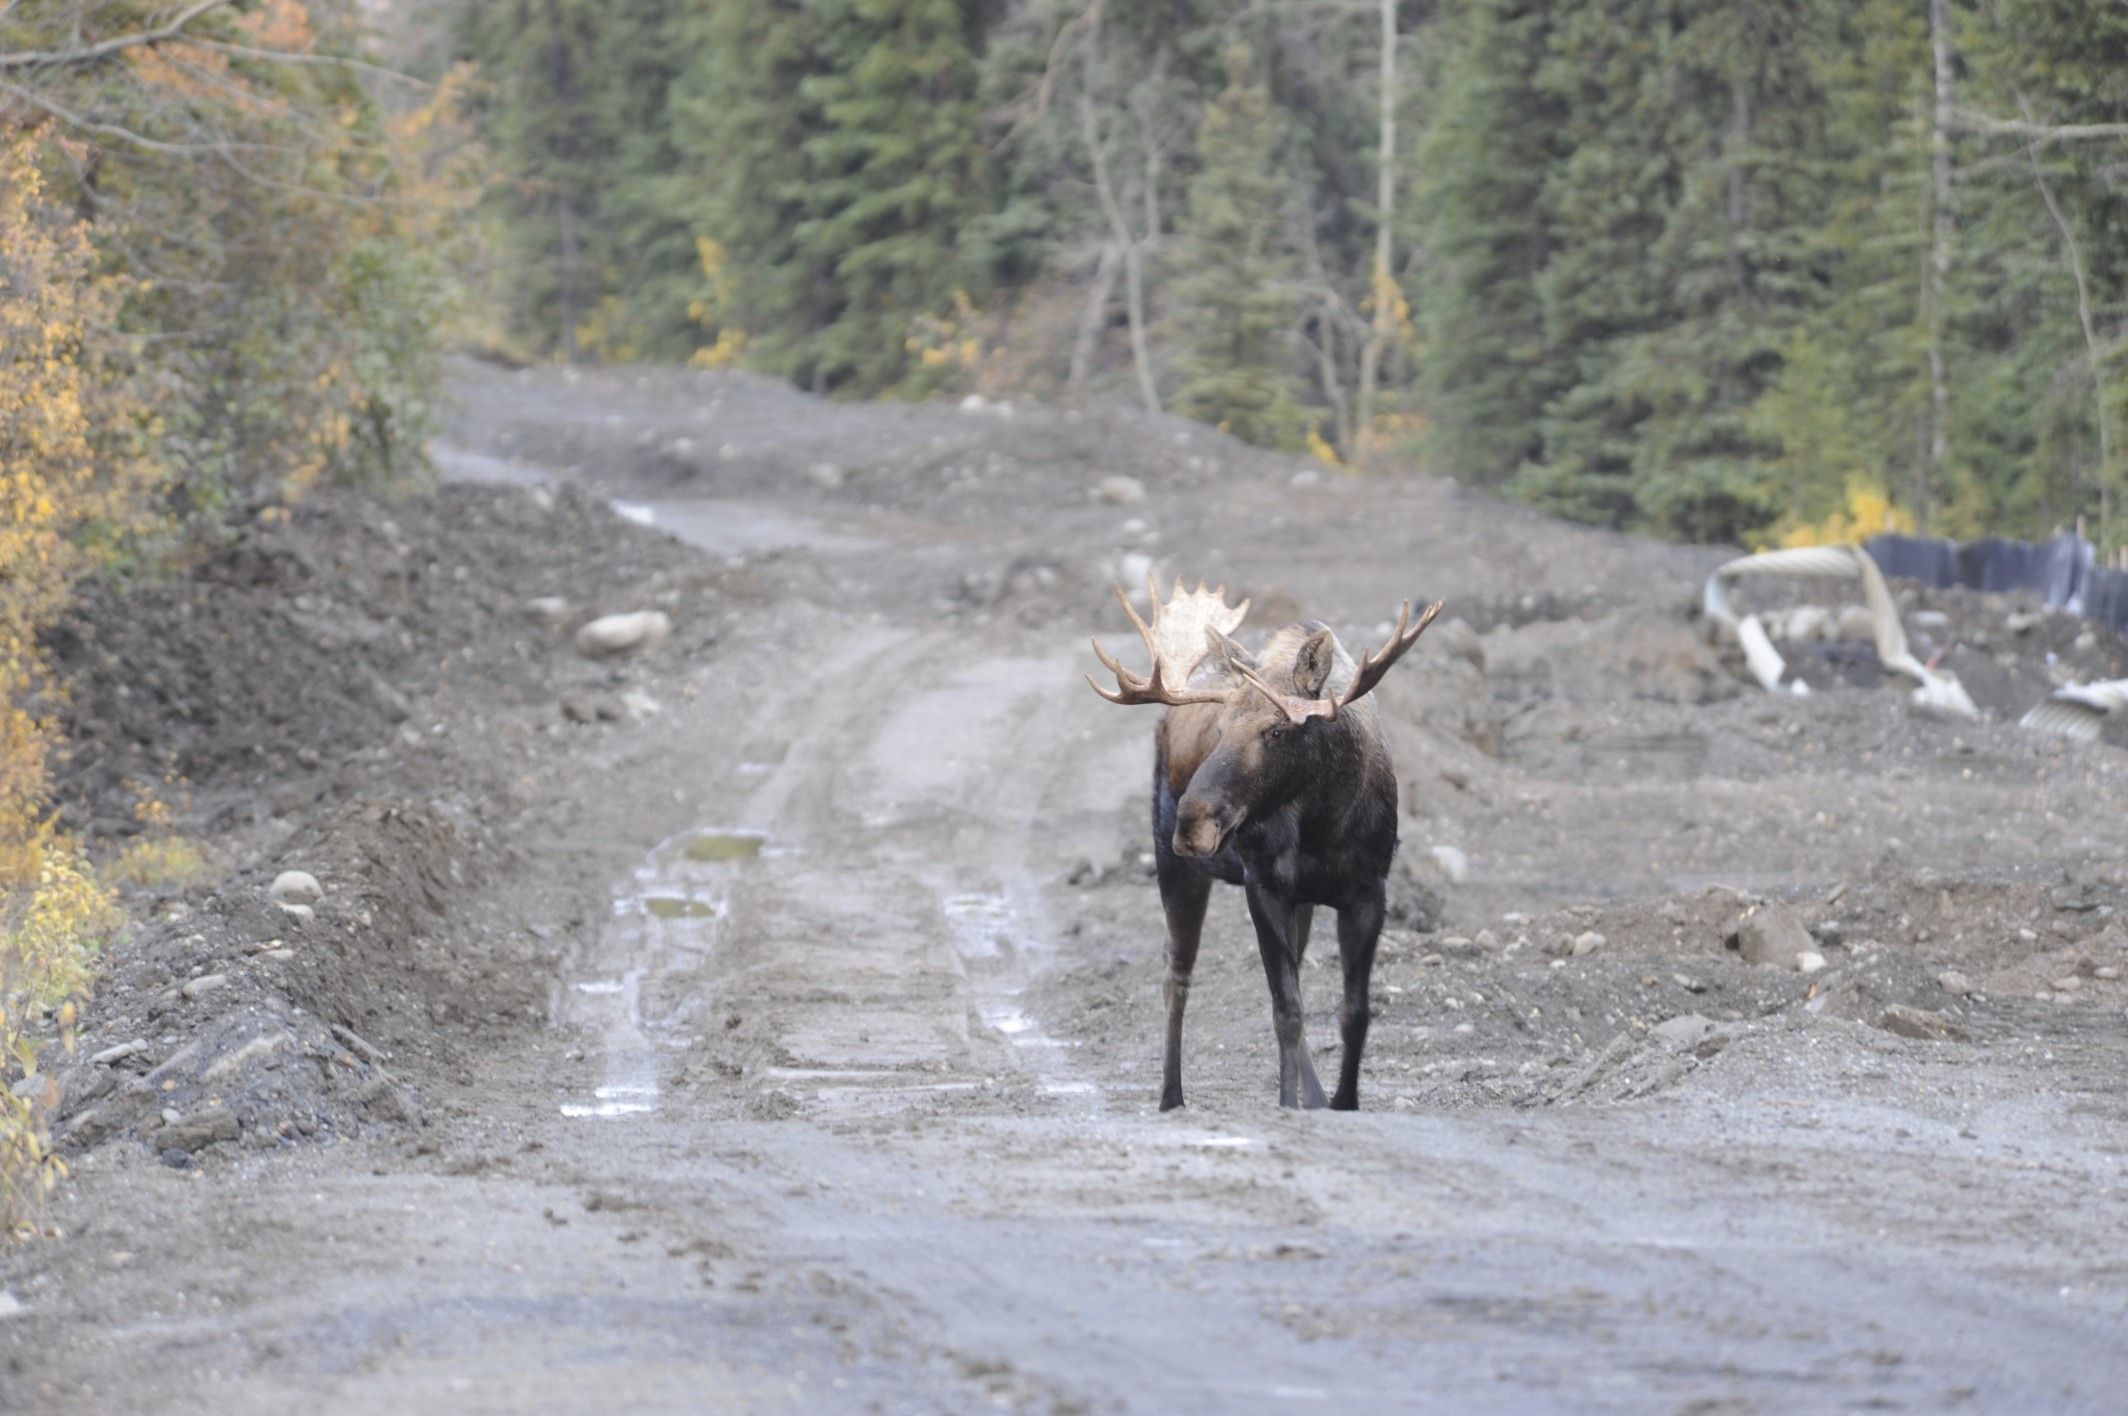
<point x="1269" y="773"/>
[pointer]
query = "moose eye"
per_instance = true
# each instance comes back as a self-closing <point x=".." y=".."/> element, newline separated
<point x="1275" y="734"/>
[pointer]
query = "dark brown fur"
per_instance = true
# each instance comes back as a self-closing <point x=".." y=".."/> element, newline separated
<point x="1298" y="815"/>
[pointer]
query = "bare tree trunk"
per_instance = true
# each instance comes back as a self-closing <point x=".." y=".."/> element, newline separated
<point x="1384" y="208"/>
<point x="2092" y="353"/>
<point x="1939" y="265"/>
<point x="1098" y="294"/>
<point x="567" y="218"/>
<point x="1133" y="264"/>
<point x="1739" y="204"/>
<point x="1327" y="371"/>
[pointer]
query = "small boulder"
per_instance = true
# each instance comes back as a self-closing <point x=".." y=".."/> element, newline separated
<point x="197" y="1131"/>
<point x="643" y="631"/>
<point x="205" y="984"/>
<point x="1587" y="942"/>
<point x="1955" y="982"/>
<point x="1922" y="1024"/>
<point x="1454" y="864"/>
<point x="1682" y="1030"/>
<point x="296" y="887"/>
<point x="1771" y="934"/>
<point x="1857" y="622"/>
<point x="1120" y="490"/>
<point x="547" y="609"/>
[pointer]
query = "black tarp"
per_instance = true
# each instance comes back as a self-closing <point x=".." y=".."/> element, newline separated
<point x="2063" y="572"/>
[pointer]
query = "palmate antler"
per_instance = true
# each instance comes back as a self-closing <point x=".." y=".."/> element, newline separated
<point x="1177" y="641"/>
<point x="1370" y="672"/>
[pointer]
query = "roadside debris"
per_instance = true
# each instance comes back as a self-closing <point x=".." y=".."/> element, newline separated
<point x="612" y="635"/>
<point x="1937" y="690"/>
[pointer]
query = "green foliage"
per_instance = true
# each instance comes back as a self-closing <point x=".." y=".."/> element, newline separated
<point x="1680" y="253"/>
<point x="894" y="171"/>
<point x="1667" y="260"/>
<point x="1233" y="296"/>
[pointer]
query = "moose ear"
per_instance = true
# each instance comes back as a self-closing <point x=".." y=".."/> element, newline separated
<point x="1311" y="663"/>
<point x="1225" y="650"/>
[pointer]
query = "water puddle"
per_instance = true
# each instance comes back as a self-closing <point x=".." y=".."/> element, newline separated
<point x="666" y="918"/>
<point x="669" y="907"/>
<point x="718" y="846"/>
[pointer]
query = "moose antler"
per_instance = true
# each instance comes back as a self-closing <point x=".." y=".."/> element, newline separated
<point x="1177" y="641"/>
<point x="1370" y="672"/>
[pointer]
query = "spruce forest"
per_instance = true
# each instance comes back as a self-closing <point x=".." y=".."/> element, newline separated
<point x="1712" y="270"/>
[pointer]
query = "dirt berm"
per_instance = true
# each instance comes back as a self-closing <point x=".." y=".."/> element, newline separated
<point x="769" y="1020"/>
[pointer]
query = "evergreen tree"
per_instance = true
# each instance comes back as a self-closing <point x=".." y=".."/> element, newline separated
<point x="895" y="170"/>
<point x="543" y="120"/>
<point x="741" y="115"/>
<point x="1232" y="293"/>
<point x="1486" y="372"/>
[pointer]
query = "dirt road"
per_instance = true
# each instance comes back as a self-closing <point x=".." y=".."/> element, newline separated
<point x="848" y="1102"/>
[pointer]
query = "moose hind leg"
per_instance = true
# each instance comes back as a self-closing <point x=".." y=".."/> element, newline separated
<point x="1183" y="894"/>
<point x="1359" y="929"/>
<point x="1280" y="931"/>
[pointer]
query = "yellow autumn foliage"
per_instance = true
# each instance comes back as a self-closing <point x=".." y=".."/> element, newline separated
<point x="75" y="468"/>
<point x="1868" y="511"/>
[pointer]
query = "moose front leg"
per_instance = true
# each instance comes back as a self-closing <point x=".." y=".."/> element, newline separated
<point x="1281" y="938"/>
<point x="1359" y="928"/>
<point x="1183" y="893"/>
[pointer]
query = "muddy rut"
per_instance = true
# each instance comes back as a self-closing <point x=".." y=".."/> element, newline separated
<point x="846" y="1102"/>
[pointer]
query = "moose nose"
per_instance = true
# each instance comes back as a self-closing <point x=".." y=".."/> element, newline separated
<point x="1198" y="833"/>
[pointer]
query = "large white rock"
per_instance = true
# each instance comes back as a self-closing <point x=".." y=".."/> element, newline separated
<point x="1122" y="491"/>
<point x="1454" y="864"/>
<point x="609" y="635"/>
<point x="296" y="887"/>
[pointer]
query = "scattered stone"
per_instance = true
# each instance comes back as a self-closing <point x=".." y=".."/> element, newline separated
<point x="203" y="985"/>
<point x="296" y="887"/>
<point x="1856" y="622"/>
<point x="1771" y="934"/>
<point x="1810" y="961"/>
<point x="591" y="708"/>
<point x="1808" y="623"/>
<point x="1682" y="1030"/>
<point x="642" y="631"/>
<point x="828" y="476"/>
<point x="974" y="403"/>
<point x="1587" y="942"/>
<point x="2021" y="621"/>
<point x="547" y="609"/>
<point x="381" y="1099"/>
<point x="1955" y="982"/>
<point x="1305" y="478"/>
<point x="1922" y="1024"/>
<point x="640" y="705"/>
<point x="1119" y="490"/>
<point x="120" y="1052"/>
<point x="1487" y="941"/>
<point x="1827" y="932"/>
<point x="354" y="1040"/>
<point x="1454" y="864"/>
<point x="1688" y="983"/>
<point x="2066" y="985"/>
<point x="2106" y="971"/>
<point x="197" y="1131"/>
<point x="301" y="914"/>
<point x="10" y="1306"/>
<point x="1458" y="946"/>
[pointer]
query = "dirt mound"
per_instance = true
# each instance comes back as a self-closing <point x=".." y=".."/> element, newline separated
<point x="368" y="693"/>
<point x="308" y="645"/>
